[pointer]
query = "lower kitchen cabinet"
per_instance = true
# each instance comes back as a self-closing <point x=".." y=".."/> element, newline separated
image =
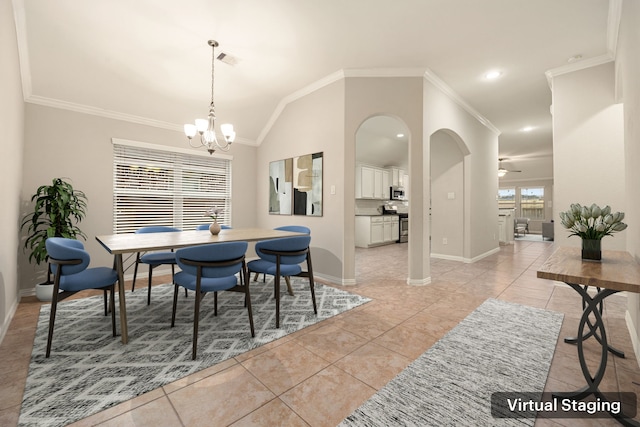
<point x="376" y="230"/>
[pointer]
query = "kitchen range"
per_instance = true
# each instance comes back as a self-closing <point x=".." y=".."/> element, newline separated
<point x="403" y="220"/>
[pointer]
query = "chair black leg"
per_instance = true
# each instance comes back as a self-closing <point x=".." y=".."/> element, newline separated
<point x="215" y="303"/>
<point x="149" y="287"/>
<point x="311" y="283"/>
<point x="277" y="290"/>
<point x="52" y="315"/>
<point x="113" y="309"/>
<point x="196" y="318"/>
<point x="247" y="298"/>
<point x="135" y="271"/>
<point x="106" y="309"/>
<point x="175" y="303"/>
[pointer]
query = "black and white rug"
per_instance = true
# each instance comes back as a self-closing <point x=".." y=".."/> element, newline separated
<point x="500" y="347"/>
<point x="89" y="370"/>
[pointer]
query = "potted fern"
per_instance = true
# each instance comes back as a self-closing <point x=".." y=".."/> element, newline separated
<point x="57" y="210"/>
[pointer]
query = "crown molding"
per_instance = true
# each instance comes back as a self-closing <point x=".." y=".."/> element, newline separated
<point x="115" y="115"/>
<point x="451" y="94"/>
<point x="369" y="73"/>
<point x="577" y="66"/>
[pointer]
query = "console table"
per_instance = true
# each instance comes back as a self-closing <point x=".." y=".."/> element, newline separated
<point x="618" y="271"/>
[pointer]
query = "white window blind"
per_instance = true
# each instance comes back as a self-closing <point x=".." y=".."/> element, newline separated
<point x="157" y="187"/>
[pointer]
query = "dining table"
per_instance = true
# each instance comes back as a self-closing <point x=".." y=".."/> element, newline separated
<point x="594" y="281"/>
<point x="129" y="243"/>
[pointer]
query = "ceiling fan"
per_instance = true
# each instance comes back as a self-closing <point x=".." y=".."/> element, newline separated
<point x="502" y="171"/>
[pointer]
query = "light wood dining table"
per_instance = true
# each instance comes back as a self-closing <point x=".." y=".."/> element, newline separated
<point x="119" y="244"/>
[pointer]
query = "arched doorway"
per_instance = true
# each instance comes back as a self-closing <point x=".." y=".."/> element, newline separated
<point x="448" y="210"/>
<point x="382" y="163"/>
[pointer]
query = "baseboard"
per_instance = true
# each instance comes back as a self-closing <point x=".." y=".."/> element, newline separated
<point x="463" y="259"/>
<point x="8" y="318"/>
<point x="419" y="282"/>
<point x="634" y="336"/>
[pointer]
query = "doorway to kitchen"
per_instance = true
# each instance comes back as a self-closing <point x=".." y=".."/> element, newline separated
<point x="382" y="188"/>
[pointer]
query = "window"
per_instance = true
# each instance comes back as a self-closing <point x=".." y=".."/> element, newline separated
<point x="506" y="198"/>
<point x="532" y="202"/>
<point x="156" y="187"/>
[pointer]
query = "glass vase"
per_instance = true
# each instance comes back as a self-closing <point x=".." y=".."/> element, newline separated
<point x="591" y="250"/>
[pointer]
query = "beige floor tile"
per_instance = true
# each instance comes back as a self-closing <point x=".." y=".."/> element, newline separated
<point x="285" y="366"/>
<point x="220" y="399"/>
<point x="328" y="397"/>
<point x="374" y="364"/>
<point x="156" y="413"/>
<point x="331" y="342"/>
<point x="274" y="413"/>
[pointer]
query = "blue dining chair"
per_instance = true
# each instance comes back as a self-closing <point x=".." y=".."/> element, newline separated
<point x="282" y="257"/>
<point x="206" y="227"/>
<point x="211" y="268"/>
<point x="154" y="259"/>
<point x="294" y="228"/>
<point x="69" y="265"/>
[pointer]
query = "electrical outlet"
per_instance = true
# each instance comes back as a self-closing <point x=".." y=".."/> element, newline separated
<point x="444" y="241"/>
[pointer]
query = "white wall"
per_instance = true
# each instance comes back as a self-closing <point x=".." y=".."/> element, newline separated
<point x="447" y="198"/>
<point x="480" y="176"/>
<point x="313" y="123"/>
<point x="588" y="147"/>
<point x="11" y="140"/>
<point x="628" y="84"/>
<point x="399" y="97"/>
<point x="62" y="143"/>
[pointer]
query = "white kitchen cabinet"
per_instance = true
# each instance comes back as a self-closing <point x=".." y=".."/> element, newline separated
<point x="397" y="176"/>
<point x="372" y="183"/>
<point x="375" y="230"/>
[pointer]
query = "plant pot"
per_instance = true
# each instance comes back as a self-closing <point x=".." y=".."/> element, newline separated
<point x="214" y="228"/>
<point x="44" y="291"/>
<point x="591" y="250"/>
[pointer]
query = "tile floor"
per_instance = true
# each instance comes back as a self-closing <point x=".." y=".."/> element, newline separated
<point x="319" y="375"/>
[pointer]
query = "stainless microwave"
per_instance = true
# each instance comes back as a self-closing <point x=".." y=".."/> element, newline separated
<point x="396" y="193"/>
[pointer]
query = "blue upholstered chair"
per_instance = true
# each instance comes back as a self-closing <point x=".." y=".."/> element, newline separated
<point x="68" y="263"/>
<point x="206" y="227"/>
<point x="294" y="228"/>
<point x="282" y="257"/>
<point x="154" y="259"/>
<point x="211" y="268"/>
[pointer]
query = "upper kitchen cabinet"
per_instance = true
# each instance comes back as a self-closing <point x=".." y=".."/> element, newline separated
<point x="372" y="182"/>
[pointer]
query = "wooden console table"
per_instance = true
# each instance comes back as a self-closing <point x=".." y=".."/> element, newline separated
<point x="617" y="272"/>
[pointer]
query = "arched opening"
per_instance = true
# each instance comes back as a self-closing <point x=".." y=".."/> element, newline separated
<point x="448" y="210"/>
<point x="382" y="181"/>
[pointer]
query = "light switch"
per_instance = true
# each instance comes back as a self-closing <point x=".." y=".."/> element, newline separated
<point x="333" y="189"/>
<point x="451" y="195"/>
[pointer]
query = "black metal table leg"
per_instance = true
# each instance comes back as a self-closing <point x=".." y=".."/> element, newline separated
<point x="574" y="340"/>
<point x="596" y="329"/>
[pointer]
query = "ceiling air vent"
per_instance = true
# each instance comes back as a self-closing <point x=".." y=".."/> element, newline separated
<point x="228" y="59"/>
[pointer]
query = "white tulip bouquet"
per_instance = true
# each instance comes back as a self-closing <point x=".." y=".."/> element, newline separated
<point x="592" y="222"/>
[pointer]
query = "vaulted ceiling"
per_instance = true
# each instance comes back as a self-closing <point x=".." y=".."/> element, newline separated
<point x="148" y="60"/>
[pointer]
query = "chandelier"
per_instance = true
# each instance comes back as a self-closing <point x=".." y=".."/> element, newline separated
<point x="206" y="127"/>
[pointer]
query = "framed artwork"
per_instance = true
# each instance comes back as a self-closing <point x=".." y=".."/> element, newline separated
<point x="281" y="187"/>
<point x="307" y="185"/>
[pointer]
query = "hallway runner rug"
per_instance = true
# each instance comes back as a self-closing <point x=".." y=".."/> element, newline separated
<point x="499" y="347"/>
<point x="89" y="370"/>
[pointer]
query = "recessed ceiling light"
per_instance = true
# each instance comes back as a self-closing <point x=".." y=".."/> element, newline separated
<point x="527" y="129"/>
<point x="400" y="135"/>
<point x="493" y="75"/>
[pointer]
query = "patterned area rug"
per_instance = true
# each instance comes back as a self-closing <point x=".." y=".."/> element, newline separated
<point x="500" y="347"/>
<point x="89" y="370"/>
